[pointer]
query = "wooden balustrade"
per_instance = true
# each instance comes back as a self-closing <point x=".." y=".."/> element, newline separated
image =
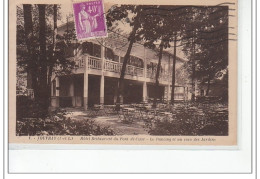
<point x="112" y="66"/>
<point x="116" y="67"/>
<point x="79" y="62"/>
<point x="94" y="63"/>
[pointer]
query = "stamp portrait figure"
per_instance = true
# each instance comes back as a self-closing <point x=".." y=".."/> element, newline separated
<point x="87" y="22"/>
<point x="84" y="19"/>
<point x="89" y="19"/>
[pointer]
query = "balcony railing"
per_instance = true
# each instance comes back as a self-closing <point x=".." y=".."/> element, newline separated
<point x="151" y="73"/>
<point x="79" y="62"/>
<point x="112" y="66"/>
<point x="94" y="63"/>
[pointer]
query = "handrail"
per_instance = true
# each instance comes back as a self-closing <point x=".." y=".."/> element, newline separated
<point x="94" y="62"/>
<point x="116" y="67"/>
<point x="112" y="66"/>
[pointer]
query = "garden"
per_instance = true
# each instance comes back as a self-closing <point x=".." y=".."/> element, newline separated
<point x="180" y="119"/>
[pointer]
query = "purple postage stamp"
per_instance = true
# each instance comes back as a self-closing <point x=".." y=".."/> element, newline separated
<point x="89" y="19"/>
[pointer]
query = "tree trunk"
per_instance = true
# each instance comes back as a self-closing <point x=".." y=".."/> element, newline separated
<point x="32" y="60"/>
<point x="120" y="86"/>
<point x="52" y="58"/>
<point x="173" y="69"/>
<point x="43" y="95"/>
<point x="193" y="71"/>
<point x="157" y="89"/>
<point x="122" y="74"/>
<point x="208" y="87"/>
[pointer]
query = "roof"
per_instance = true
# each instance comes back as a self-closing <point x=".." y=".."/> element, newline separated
<point x="119" y="43"/>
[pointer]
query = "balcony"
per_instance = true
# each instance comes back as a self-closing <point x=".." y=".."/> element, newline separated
<point x="94" y="64"/>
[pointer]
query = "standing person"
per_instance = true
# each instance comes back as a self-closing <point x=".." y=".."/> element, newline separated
<point x="94" y="19"/>
<point x="84" y="19"/>
<point x="94" y="22"/>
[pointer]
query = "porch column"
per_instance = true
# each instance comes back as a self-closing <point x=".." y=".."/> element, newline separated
<point x="102" y="89"/>
<point x="72" y="94"/>
<point x="52" y="88"/>
<point x="57" y="91"/>
<point x="169" y="92"/>
<point x="187" y="93"/>
<point x="85" y="93"/>
<point x="57" y="86"/>
<point x="184" y="93"/>
<point x="102" y="80"/>
<point x="145" y="64"/>
<point x="144" y="91"/>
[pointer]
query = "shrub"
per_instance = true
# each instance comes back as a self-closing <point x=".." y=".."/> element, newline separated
<point x="217" y="129"/>
<point x="171" y="127"/>
<point x="56" y="123"/>
<point x="28" y="108"/>
<point x="192" y="119"/>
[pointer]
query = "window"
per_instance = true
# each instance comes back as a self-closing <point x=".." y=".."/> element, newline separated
<point x="116" y="58"/>
<point x="92" y="49"/>
<point x="109" y="54"/>
<point x="135" y="61"/>
<point x="88" y="48"/>
<point x="97" y="50"/>
<point x="121" y="59"/>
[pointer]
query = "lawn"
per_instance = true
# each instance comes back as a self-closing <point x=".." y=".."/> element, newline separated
<point x="187" y="119"/>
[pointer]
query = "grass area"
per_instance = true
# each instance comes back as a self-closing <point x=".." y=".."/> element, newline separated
<point x="179" y="119"/>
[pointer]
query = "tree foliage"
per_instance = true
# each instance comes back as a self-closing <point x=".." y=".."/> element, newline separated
<point x="205" y="42"/>
<point x="201" y="32"/>
<point x="122" y="13"/>
<point x="36" y="54"/>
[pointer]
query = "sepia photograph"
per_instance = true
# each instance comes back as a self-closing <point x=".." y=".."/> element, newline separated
<point x="129" y="87"/>
<point x="100" y="69"/>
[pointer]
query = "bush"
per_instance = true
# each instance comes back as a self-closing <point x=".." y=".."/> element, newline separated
<point x="219" y="129"/>
<point x="171" y="127"/>
<point x="56" y="123"/>
<point x="186" y="128"/>
<point x="28" y="108"/>
<point x="191" y="119"/>
<point x="218" y="125"/>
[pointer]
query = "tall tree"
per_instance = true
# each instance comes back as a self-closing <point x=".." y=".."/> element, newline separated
<point x="194" y="16"/>
<point x="29" y="38"/>
<point x="175" y="22"/>
<point x="44" y="54"/>
<point x="43" y="96"/>
<point x="162" y="24"/>
<point x="126" y="58"/>
<point x="158" y="70"/>
<point x="213" y="54"/>
<point x="206" y="37"/>
<point x="173" y="68"/>
<point x="53" y="49"/>
<point x="121" y="13"/>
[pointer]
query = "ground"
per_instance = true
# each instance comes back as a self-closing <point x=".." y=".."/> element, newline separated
<point x="187" y="119"/>
<point x="120" y="128"/>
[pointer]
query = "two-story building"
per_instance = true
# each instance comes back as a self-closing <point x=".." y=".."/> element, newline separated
<point x="98" y="63"/>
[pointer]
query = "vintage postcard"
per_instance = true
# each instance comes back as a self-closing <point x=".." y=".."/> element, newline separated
<point x="123" y="72"/>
